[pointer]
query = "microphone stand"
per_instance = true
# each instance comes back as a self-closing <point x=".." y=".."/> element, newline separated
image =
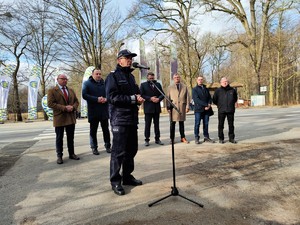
<point x="174" y="190"/>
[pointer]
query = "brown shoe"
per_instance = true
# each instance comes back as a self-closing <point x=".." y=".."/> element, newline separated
<point x="75" y="157"/>
<point x="59" y="160"/>
<point x="184" y="140"/>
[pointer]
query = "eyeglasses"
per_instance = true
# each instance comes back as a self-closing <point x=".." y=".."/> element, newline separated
<point x="63" y="78"/>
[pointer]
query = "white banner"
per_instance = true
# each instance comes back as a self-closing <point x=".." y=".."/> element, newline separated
<point x="5" y="82"/>
<point x="83" y="105"/>
<point x="47" y="110"/>
<point x="33" y="89"/>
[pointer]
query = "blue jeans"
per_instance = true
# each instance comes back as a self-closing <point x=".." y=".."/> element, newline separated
<point x="205" y="118"/>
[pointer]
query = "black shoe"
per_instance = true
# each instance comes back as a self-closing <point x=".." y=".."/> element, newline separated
<point x="233" y="141"/>
<point x="197" y="142"/>
<point x="118" y="189"/>
<point x="75" y="157"/>
<point x="95" y="151"/>
<point x="206" y="139"/>
<point x="147" y="143"/>
<point x="108" y="150"/>
<point x="59" y="160"/>
<point x="159" y="142"/>
<point x="221" y="141"/>
<point x="132" y="182"/>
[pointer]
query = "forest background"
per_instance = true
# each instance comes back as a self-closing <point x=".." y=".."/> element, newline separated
<point x="255" y="42"/>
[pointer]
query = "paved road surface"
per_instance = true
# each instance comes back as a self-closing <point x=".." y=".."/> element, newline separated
<point x="35" y="190"/>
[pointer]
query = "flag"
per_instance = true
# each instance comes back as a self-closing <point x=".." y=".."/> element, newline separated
<point x="157" y="66"/>
<point x="33" y="89"/>
<point x="143" y="72"/>
<point x="47" y="110"/>
<point x="83" y="105"/>
<point x="5" y="82"/>
<point x="173" y="61"/>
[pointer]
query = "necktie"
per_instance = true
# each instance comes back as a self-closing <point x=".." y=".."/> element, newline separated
<point x="65" y="93"/>
<point x="152" y="86"/>
<point x="177" y="85"/>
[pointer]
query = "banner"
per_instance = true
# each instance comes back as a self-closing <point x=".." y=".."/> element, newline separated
<point x="143" y="73"/>
<point x="47" y="110"/>
<point x="33" y="89"/>
<point x="5" y="82"/>
<point x="83" y="105"/>
<point x="173" y="61"/>
<point x="157" y="66"/>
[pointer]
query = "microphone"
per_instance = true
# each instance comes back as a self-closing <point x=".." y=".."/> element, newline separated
<point x="136" y="65"/>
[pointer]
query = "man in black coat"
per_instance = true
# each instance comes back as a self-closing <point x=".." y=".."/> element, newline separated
<point x="93" y="91"/>
<point x="202" y="109"/>
<point x="152" y="109"/>
<point x="225" y="98"/>
<point x="124" y="97"/>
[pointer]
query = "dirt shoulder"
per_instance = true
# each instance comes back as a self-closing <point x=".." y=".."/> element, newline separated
<point x="242" y="184"/>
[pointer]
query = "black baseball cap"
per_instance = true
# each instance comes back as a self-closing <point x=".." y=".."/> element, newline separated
<point x="126" y="53"/>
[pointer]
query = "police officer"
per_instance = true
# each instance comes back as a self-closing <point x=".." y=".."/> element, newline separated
<point x="124" y="97"/>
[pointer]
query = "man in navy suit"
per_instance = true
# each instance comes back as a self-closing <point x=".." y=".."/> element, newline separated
<point x="152" y="109"/>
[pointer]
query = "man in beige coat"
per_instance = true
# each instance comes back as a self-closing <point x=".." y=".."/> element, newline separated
<point x="64" y="103"/>
<point x="180" y="97"/>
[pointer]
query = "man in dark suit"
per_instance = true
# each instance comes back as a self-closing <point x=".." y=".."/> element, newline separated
<point x="150" y="92"/>
<point x="64" y="103"/>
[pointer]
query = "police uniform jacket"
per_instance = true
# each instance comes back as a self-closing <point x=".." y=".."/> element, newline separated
<point x="121" y="90"/>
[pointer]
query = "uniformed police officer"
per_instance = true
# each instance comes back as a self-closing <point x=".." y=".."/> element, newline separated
<point x="124" y="97"/>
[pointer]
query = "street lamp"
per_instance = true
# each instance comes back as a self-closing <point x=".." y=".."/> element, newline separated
<point x="121" y="46"/>
<point x="7" y="14"/>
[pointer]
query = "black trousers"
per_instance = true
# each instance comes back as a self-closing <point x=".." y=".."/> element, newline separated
<point x="230" y="120"/>
<point x="70" y="129"/>
<point x="148" y="120"/>
<point x="94" y="124"/>
<point x="124" y="149"/>
<point x="181" y="129"/>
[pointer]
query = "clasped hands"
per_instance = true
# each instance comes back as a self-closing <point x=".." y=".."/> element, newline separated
<point x="69" y="108"/>
<point x="101" y="99"/>
<point x="154" y="99"/>
<point x="139" y="99"/>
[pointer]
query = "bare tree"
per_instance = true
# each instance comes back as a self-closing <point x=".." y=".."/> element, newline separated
<point x="283" y="47"/>
<point x="16" y="36"/>
<point x="44" y="47"/>
<point x="217" y="55"/>
<point x="174" y="18"/>
<point x="89" y="28"/>
<point x="254" y="20"/>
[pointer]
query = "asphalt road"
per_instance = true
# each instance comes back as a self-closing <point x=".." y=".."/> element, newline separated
<point x="250" y="124"/>
<point x="268" y="121"/>
<point x="35" y="190"/>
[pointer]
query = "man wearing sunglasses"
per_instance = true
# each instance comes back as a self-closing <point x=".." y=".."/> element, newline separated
<point x="124" y="98"/>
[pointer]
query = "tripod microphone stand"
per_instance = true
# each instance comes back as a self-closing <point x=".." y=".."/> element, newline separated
<point x="174" y="191"/>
